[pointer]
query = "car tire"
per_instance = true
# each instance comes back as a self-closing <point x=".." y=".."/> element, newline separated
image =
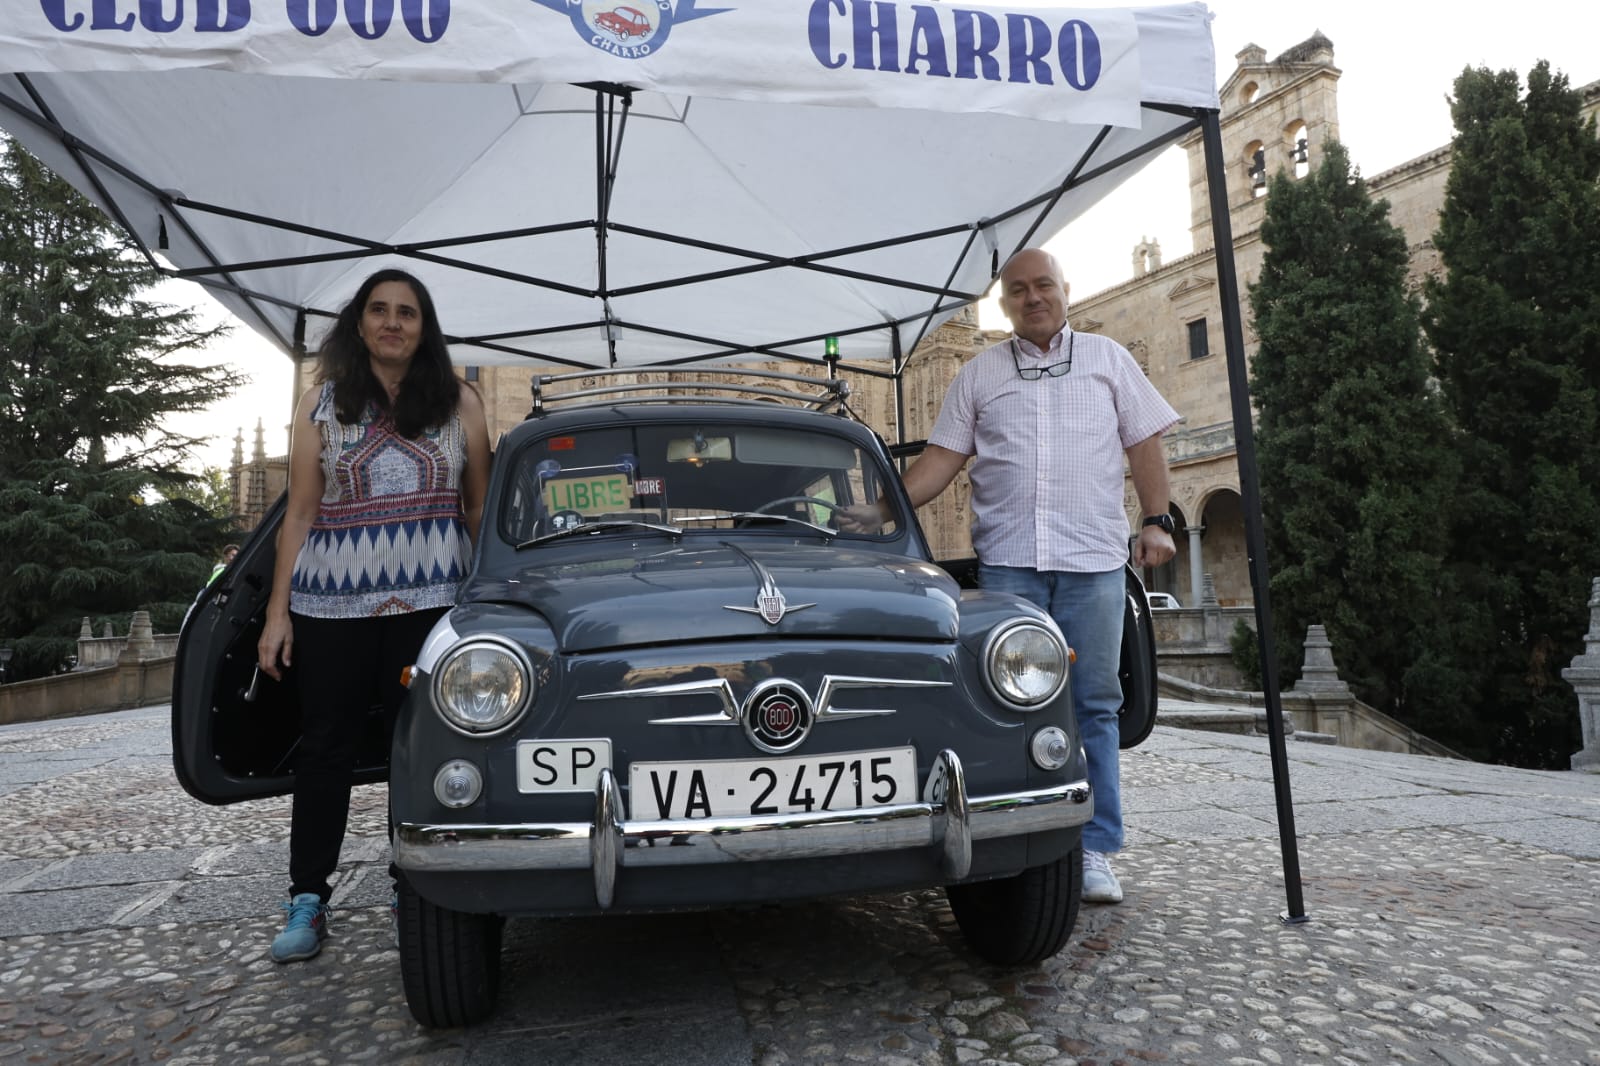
<point x="449" y="961"/>
<point x="1021" y="920"/>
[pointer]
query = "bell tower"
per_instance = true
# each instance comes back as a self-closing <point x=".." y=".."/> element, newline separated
<point x="1275" y="115"/>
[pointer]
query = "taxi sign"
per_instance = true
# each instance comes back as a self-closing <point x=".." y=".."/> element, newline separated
<point x="591" y="494"/>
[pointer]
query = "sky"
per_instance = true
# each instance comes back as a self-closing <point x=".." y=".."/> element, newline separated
<point x="1399" y="59"/>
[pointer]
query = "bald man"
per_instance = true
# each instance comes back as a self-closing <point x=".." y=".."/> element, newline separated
<point x="1047" y="417"/>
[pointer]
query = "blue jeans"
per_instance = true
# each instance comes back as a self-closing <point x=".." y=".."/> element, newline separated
<point x="1089" y="610"/>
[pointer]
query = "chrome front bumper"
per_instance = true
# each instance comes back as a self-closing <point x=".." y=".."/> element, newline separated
<point x="608" y="843"/>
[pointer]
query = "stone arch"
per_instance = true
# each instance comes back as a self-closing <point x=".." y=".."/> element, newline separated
<point x="1146" y="257"/>
<point x="1222" y="546"/>
<point x="1248" y="93"/>
<point x="1297" y="147"/>
<point x="1255" y="167"/>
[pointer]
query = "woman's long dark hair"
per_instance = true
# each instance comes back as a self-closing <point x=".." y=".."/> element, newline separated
<point x="428" y="393"/>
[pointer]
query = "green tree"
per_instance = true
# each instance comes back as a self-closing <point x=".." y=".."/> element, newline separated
<point x="209" y="491"/>
<point x="87" y="375"/>
<point x="1515" y="324"/>
<point x="1356" y="464"/>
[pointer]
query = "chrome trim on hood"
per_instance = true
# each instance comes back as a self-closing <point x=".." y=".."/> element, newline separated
<point x="729" y="712"/>
<point x="718" y="687"/>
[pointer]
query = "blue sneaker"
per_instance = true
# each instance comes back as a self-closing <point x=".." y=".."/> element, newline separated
<point x="1100" y="885"/>
<point x="302" y="936"/>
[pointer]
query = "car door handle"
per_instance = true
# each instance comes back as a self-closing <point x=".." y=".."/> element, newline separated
<point x="255" y="684"/>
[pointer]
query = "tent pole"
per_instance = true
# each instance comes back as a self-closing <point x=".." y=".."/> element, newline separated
<point x="1250" y="493"/>
<point x="899" y="391"/>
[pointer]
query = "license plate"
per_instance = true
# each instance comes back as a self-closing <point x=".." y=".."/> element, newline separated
<point x="808" y="784"/>
<point x="561" y="765"/>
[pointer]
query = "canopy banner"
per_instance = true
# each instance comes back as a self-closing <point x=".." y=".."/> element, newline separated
<point x="1051" y="63"/>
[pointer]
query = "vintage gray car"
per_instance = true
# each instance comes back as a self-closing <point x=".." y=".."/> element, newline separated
<point x="674" y="680"/>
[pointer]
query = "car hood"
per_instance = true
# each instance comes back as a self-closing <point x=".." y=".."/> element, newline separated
<point x="719" y="592"/>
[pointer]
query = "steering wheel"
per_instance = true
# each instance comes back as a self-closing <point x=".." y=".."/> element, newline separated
<point x="781" y="500"/>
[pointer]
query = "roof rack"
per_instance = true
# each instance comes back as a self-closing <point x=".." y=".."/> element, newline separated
<point x="819" y="394"/>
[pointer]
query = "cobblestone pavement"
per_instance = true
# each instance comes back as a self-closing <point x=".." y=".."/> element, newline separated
<point x="1455" y="920"/>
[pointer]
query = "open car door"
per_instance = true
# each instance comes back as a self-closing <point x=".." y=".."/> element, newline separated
<point x="234" y="729"/>
<point x="1138" y="667"/>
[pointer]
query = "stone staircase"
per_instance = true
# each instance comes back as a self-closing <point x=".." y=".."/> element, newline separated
<point x="1318" y="708"/>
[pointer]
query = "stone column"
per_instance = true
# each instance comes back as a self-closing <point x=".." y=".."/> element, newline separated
<point x="85" y="633"/>
<point x="1211" y="614"/>
<point x="131" y="663"/>
<point x="1584" y="677"/>
<point x="1318" y="673"/>
<point x="141" y="639"/>
<point x="1194" y="564"/>
<point x="1321" y="698"/>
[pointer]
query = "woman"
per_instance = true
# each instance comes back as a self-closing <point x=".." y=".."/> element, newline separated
<point x="388" y="463"/>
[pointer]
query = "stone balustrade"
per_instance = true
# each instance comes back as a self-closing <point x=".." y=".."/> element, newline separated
<point x="107" y="649"/>
<point x="112" y="674"/>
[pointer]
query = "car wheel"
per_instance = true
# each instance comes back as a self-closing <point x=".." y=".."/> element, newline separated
<point x="449" y="961"/>
<point x="1017" y="921"/>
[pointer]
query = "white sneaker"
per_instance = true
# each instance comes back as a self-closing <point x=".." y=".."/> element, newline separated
<point x="1100" y="885"/>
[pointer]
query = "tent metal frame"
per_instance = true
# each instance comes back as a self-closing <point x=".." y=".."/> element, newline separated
<point x="612" y="108"/>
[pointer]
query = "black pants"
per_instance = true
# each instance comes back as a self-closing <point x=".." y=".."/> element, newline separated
<point x="343" y="668"/>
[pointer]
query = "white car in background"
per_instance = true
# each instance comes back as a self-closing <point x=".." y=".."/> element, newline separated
<point x="1163" y="601"/>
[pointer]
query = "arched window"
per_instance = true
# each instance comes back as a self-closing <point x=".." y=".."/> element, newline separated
<point x="1296" y="148"/>
<point x="1248" y="93"/>
<point x="1255" y="167"/>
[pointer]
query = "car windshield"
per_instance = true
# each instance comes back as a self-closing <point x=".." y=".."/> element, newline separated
<point x="694" y="477"/>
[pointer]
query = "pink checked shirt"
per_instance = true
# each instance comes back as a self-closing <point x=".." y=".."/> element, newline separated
<point x="1048" y="474"/>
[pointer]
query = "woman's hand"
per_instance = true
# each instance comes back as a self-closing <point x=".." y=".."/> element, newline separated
<point x="276" y="646"/>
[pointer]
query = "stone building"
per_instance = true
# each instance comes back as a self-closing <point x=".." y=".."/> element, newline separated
<point x="1275" y="115"/>
<point x="257" y="483"/>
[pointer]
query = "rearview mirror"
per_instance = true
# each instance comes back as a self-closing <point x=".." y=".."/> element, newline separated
<point x="699" y="449"/>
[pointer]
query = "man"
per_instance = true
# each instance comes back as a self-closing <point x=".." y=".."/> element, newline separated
<point x="228" y="553"/>
<point x="1047" y="417"/>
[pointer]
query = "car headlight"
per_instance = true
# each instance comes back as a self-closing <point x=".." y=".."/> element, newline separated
<point x="483" y="685"/>
<point x="1025" y="664"/>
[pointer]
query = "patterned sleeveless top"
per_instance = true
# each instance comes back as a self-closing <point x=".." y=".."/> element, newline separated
<point x="388" y="537"/>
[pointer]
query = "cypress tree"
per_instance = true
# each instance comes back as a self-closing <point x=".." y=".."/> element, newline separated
<point x="1356" y="464"/>
<point x="1515" y="323"/>
<point x="88" y="371"/>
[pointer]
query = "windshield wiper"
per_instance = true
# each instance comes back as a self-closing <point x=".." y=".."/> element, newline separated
<point x="601" y="527"/>
<point x="760" y="516"/>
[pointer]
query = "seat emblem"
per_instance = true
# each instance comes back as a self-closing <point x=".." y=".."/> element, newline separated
<point x="770" y="602"/>
<point x="777" y="715"/>
<point x="771" y="605"/>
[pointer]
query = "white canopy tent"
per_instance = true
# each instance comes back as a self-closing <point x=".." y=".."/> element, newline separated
<point x="604" y="184"/>
<point x="726" y="195"/>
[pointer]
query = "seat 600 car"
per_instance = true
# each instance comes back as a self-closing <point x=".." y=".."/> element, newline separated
<point x="624" y="22"/>
<point x="676" y="679"/>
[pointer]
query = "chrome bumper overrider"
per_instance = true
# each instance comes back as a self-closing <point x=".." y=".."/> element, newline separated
<point x="608" y="843"/>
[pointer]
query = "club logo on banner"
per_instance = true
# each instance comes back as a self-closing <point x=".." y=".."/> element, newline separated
<point x="627" y="29"/>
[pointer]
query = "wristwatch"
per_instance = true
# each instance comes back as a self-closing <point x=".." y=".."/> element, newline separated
<point x="1162" y="520"/>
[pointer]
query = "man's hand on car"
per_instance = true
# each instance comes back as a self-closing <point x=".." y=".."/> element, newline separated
<point x="860" y="518"/>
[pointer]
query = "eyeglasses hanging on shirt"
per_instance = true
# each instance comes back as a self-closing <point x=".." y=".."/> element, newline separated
<point x="1034" y="373"/>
